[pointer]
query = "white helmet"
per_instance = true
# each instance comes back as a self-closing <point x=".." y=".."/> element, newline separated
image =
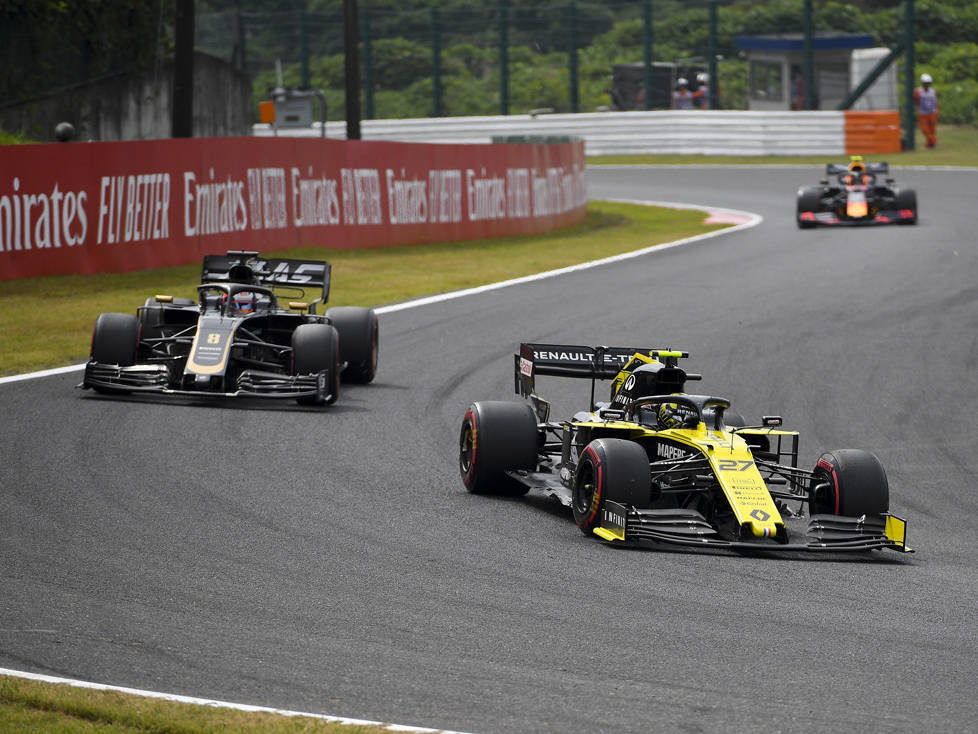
<point x="925" y="79"/>
<point x="681" y="82"/>
<point x="702" y="77"/>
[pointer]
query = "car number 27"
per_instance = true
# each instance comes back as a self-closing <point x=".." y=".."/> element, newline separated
<point x="734" y="464"/>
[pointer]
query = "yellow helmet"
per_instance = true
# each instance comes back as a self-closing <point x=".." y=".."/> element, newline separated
<point x="856" y="164"/>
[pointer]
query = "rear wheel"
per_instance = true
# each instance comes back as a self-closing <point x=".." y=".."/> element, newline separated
<point x="849" y="482"/>
<point x="496" y="436"/>
<point x="315" y="350"/>
<point x="609" y="469"/>
<point x="808" y="199"/>
<point x="906" y="199"/>
<point x="359" y="340"/>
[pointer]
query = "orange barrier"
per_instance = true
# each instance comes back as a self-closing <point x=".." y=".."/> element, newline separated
<point x="872" y="132"/>
<point x="117" y="207"/>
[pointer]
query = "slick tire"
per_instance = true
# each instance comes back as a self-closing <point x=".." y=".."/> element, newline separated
<point x="609" y="469"/>
<point x="315" y="350"/>
<point x="115" y="340"/>
<point x="497" y="436"/>
<point x="849" y="482"/>
<point x="808" y="199"/>
<point x="359" y="340"/>
<point x="906" y="199"/>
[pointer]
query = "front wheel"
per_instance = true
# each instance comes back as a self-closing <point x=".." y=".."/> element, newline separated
<point x="807" y="205"/>
<point x="849" y="482"/>
<point x="906" y="200"/>
<point x="115" y="340"/>
<point x="609" y="469"/>
<point x="497" y="436"/>
<point x="315" y="351"/>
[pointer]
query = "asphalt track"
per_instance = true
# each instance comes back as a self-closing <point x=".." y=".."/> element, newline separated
<point x="331" y="560"/>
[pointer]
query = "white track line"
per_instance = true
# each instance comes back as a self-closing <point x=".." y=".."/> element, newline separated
<point x="42" y="373"/>
<point x="223" y="704"/>
<point x="751" y="220"/>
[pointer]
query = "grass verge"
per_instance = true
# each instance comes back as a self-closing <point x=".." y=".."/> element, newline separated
<point x="957" y="145"/>
<point x="47" y="322"/>
<point x="33" y="706"/>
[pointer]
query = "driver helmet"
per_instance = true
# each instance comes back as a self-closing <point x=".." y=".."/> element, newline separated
<point x="674" y="415"/>
<point x="244" y="302"/>
<point x="856" y="164"/>
<point x="681" y="82"/>
<point x="702" y="77"/>
<point x="925" y="78"/>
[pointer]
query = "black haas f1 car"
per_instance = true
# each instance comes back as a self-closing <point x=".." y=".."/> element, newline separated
<point x="656" y="465"/>
<point x="237" y="339"/>
<point x="854" y="194"/>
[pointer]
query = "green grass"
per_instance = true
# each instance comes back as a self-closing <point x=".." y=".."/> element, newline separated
<point x="957" y="145"/>
<point x="47" y="322"/>
<point x="32" y="706"/>
<point x="8" y="138"/>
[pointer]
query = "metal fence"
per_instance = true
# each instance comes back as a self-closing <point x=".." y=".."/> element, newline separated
<point x="482" y="60"/>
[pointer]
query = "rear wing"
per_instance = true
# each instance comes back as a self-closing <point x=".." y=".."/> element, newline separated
<point x="834" y="169"/>
<point x="242" y="265"/>
<point x="566" y="360"/>
<point x="593" y="363"/>
<point x="563" y="360"/>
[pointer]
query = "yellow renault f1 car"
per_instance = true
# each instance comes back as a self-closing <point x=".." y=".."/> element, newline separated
<point x="657" y="465"/>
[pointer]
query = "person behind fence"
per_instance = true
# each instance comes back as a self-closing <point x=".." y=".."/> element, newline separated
<point x="701" y="97"/>
<point x="682" y="98"/>
<point x="925" y="97"/>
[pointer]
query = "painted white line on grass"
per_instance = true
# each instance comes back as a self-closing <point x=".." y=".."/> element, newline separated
<point x="222" y="704"/>
<point x="747" y="219"/>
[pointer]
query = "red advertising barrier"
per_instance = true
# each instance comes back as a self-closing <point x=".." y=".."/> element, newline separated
<point x="117" y="207"/>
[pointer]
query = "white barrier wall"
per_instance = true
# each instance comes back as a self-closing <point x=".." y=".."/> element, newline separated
<point x="719" y="132"/>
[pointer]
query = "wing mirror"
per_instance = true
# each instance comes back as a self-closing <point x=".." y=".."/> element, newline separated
<point x="771" y="421"/>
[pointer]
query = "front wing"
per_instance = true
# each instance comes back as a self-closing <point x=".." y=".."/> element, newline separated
<point x="155" y="378"/>
<point x="886" y="216"/>
<point x="815" y="533"/>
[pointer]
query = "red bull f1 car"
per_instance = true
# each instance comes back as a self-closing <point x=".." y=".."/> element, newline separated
<point x="655" y="465"/>
<point x="237" y="338"/>
<point x="860" y="193"/>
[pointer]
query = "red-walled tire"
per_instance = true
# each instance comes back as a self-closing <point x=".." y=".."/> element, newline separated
<point x="609" y="469"/>
<point x="849" y="482"/>
<point x="497" y="436"/>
